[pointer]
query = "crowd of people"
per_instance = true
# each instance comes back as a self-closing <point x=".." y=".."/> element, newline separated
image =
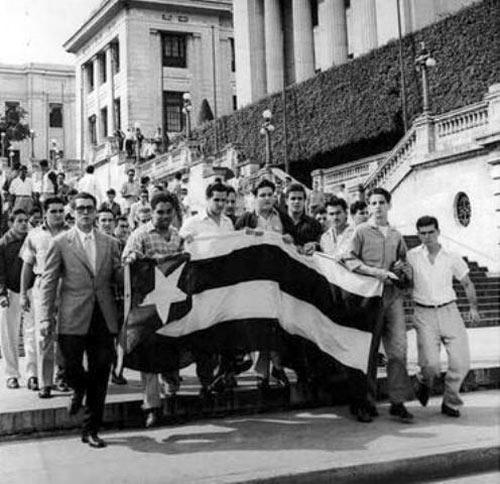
<point x="61" y="278"/>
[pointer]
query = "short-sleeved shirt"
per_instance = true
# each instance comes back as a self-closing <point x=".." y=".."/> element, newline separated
<point x="130" y="190"/>
<point x="21" y="188"/>
<point x="433" y="283"/>
<point x="271" y="223"/>
<point x="148" y="242"/>
<point x="203" y="224"/>
<point x="36" y="245"/>
<point x="370" y="246"/>
<point x="337" y="244"/>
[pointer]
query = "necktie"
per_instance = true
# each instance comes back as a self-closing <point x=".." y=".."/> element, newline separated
<point x="89" y="251"/>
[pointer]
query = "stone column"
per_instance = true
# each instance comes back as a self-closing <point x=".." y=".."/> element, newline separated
<point x="95" y="62"/>
<point x="156" y="80"/>
<point x="364" y="15"/>
<point x="303" y="40"/>
<point x="334" y="29"/>
<point x="111" y="91"/>
<point x="274" y="46"/>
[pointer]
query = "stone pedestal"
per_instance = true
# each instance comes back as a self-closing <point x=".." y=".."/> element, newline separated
<point x="303" y="40"/>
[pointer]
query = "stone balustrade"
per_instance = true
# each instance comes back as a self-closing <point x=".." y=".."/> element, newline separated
<point x="460" y="120"/>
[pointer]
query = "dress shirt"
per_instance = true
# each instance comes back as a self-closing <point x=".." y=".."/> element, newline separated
<point x="368" y="245"/>
<point x="271" y="223"/>
<point x="36" y="245"/>
<point x="203" y="224"/>
<point x="148" y="242"/>
<point x="21" y="188"/>
<point x="88" y="243"/>
<point x="333" y="243"/>
<point x="433" y="282"/>
<point x="46" y="186"/>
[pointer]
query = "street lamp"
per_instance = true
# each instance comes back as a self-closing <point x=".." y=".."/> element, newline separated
<point x="186" y="109"/>
<point x="266" y="130"/>
<point x="423" y="62"/>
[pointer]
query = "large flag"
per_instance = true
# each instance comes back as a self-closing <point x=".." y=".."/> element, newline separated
<point x="246" y="292"/>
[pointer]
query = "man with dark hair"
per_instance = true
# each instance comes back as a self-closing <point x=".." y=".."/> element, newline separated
<point x="267" y="218"/>
<point x="335" y="241"/>
<point x="87" y="264"/>
<point x="320" y="215"/>
<point x="11" y="313"/>
<point x="122" y="231"/>
<point x="437" y="319"/>
<point x="133" y="218"/>
<point x="359" y="212"/>
<point x="376" y="249"/>
<point x="110" y="204"/>
<point x="21" y="191"/>
<point x="35" y="218"/>
<point x="156" y="239"/>
<point x="62" y="188"/>
<point x="34" y="253"/>
<point x="106" y="222"/>
<point x="230" y="208"/>
<point x="48" y="185"/>
<point x="130" y="190"/>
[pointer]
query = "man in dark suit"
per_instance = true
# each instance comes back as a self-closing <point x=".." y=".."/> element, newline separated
<point x="87" y="264"/>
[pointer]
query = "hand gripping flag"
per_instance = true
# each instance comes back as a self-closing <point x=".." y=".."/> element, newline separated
<point x="246" y="292"/>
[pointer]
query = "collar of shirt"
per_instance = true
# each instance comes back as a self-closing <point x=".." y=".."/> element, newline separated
<point x="150" y="228"/>
<point x="11" y="236"/>
<point x="83" y="235"/>
<point x="272" y="213"/>
<point x="206" y="216"/>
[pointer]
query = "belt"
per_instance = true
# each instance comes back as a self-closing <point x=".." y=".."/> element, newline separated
<point x="434" y="306"/>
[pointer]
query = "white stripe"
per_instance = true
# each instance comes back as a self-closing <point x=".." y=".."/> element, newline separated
<point x="264" y="299"/>
<point x="207" y="247"/>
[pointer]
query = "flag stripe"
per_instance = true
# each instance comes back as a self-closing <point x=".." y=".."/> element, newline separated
<point x="264" y="300"/>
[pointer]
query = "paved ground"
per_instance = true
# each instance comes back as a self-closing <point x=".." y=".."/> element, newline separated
<point x="485" y="353"/>
<point x="259" y="448"/>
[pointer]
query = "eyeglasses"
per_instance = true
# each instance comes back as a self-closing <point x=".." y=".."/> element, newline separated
<point x="85" y="208"/>
<point x="56" y="211"/>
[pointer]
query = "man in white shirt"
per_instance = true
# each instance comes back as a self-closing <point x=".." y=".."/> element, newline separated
<point x="210" y="221"/>
<point x="89" y="184"/>
<point x="335" y="241"/>
<point x="21" y="191"/>
<point x="437" y="319"/>
<point x="47" y="181"/>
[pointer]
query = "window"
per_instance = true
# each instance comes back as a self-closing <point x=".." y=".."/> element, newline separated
<point x="104" y="122"/>
<point x="92" y="130"/>
<point x="314" y="12"/>
<point x="115" y="57"/>
<point x="118" y="113"/>
<point x="233" y="55"/>
<point x="463" y="209"/>
<point x="235" y="102"/>
<point x="174" y="50"/>
<point x="89" y="69"/>
<point x="173" y="118"/>
<point x="55" y="115"/>
<point x="101" y="58"/>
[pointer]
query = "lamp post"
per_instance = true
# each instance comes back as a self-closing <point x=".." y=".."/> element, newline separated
<point x="32" y="139"/>
<point x="186" y="109"/>
<point x="266" y="130"/>
<point x="137" y="133"/>
<point x="424" y="61"/>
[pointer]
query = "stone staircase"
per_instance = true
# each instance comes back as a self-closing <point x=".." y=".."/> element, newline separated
<point x="487" y="289"/>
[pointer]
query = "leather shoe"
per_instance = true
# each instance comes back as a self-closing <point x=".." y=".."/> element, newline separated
<point x="399" y="411"/>
<point x="12" y="383"/>
<point x="93" y="440"/>
<point x="76" y="403"/>
<point x="422" y="393"/>
<point x="33" y="383"/>
<point x="361" y="412"/>
<point x="45" y="392"/>
<point x="151" y="418"/>
<point x="280" y="376"/>
<point x="450" y="412"/>
<point x="372" y="410"/>
<point x="118" y="379"/>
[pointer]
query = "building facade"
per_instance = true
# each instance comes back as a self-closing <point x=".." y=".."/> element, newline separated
<point x="280" y="42"/>
<point x="136" y="59"/>
<point x="47" y="93"/>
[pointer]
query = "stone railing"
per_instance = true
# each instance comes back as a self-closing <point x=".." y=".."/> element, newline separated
<point x="460" y="120"/>
<point x="399" y="156"/>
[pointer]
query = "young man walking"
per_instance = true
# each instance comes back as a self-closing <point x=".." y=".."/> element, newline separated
<point x="437" y="319"/>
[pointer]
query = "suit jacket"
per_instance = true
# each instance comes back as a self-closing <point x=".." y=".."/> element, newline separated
<point x="80" y="287"/>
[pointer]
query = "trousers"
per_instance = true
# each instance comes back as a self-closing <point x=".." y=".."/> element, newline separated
<point x="436" y="326"/>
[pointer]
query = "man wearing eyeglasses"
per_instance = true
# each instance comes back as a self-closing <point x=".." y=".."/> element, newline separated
<point x="34" y="253"/>
<point x="87" y="264"/>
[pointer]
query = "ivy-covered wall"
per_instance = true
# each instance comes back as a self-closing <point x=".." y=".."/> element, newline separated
<point x="354" y="110"/>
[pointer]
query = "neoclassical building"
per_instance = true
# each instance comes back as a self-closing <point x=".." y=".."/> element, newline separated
<point x="135" y="59"/>
<point x="280" y="42"/>
<point x="47" y="93"/>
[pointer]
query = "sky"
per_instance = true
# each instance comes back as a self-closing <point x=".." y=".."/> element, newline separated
<point x="35" y="30"/>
